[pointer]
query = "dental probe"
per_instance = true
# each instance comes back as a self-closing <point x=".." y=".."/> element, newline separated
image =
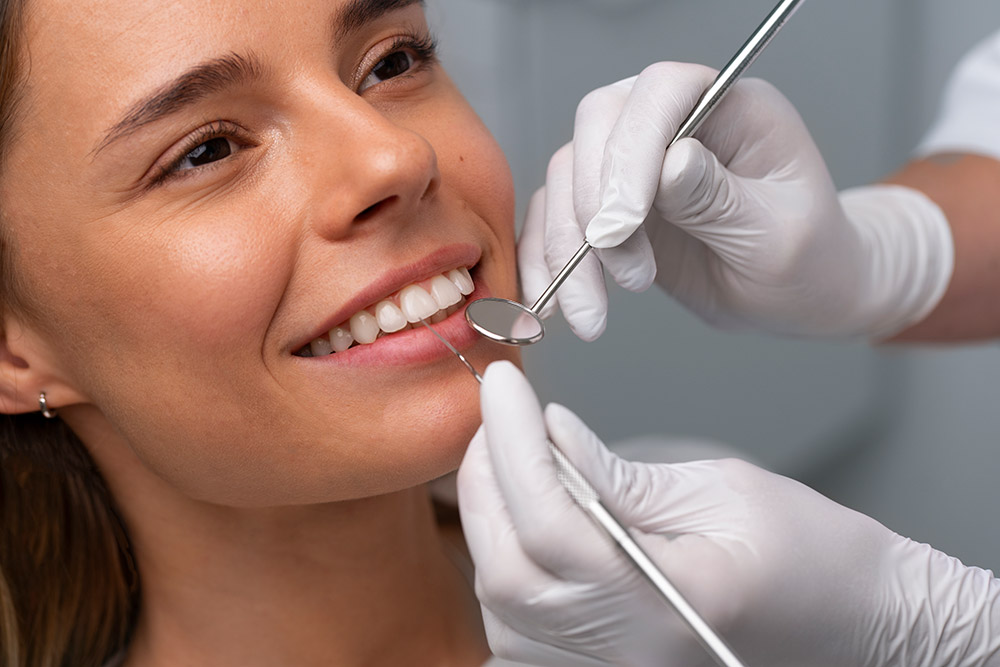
<point x="587" y="498"/>
<point x="461" y="357"/>
<point x="513" y="323"/>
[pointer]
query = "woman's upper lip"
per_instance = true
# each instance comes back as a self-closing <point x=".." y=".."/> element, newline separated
<point x="396" y="278"/>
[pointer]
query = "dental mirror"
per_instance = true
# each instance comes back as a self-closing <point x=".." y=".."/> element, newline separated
<point x="512" y="323"/>
<point x="505" y="321"/>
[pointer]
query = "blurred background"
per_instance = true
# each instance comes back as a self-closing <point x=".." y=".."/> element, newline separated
<point x="909" y="436"/>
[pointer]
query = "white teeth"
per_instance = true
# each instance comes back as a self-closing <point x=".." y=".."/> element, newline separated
<point x="462" y="280"/>
<point x="340" y="339"/>
<point x="442" y="297"/>
<point x="320" y="347"/>
<point x="444" y="292"/>
<point x="390" y="317"/>
<point x="364" y="327"/>
<point x="416" y="303"/>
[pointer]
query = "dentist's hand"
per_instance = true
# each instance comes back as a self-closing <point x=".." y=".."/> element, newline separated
<point x="743" y="224"/>
<point x="787" y="576"/>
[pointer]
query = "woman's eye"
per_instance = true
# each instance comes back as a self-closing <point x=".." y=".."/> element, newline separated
<point x="212" y="143"/>
<point x="206" y="152"/>
<point x="393" y="65"/>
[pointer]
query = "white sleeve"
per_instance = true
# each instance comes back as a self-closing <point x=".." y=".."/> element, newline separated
<point x="969" y="119"/>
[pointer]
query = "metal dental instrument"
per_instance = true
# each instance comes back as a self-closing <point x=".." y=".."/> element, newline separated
<point x="584" y="495"/>
<point x="512" y="323"/>
<point x="461" y="357"/>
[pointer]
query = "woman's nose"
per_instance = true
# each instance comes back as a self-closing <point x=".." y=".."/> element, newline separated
<point x="374" y="169"/>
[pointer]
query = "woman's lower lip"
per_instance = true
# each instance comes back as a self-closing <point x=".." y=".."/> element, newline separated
<point x="413" y="346"/>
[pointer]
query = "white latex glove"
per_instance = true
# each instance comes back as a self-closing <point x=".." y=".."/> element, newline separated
<point x="742" y="221"/>
<point x="787" y="576"/>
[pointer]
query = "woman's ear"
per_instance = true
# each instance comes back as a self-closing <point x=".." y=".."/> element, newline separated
<point x="28" y="368"/>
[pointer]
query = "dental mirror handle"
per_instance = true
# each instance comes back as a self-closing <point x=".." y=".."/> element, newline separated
<point x="707" y="103"/>
<point x="735" y="68"/>
<point x="561" y="278"/>
<point x="586" y="497"/>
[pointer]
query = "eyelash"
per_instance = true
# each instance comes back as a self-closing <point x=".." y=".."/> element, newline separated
<point x="219" y="129"/>
<point x="423" y="47"/>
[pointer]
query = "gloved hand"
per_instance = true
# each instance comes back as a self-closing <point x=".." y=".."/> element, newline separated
<point x="787" y="576"/>
<point x="742" y="222"/>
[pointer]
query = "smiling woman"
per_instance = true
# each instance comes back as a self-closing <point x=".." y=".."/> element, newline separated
<point x="219" y="220"/>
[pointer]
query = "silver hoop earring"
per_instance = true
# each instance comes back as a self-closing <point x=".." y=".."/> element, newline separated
<point x="44" y="407"/>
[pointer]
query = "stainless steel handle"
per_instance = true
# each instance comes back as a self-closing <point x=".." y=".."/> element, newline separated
<point x="734" y="69"/>
<point x="584" y="495"/>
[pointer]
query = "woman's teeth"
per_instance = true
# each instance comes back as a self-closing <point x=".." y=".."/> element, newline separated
<point x="462" y="280"/>
<point x="431" y="300"/>
<point x="363" y="327"/>
<point x="390" y="317"/>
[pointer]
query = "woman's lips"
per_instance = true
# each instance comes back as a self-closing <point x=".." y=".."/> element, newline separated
<point x="411" y="346"/>
<point x="443" y="260"/>
<point x="431" y="299"/>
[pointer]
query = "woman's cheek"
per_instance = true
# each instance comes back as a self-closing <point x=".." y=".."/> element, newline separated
<point x="225" y="281"/>
<point x="484" y="168"/>
<point x="208" y="281"/>
<point x="470" y="157"/>
<point x="478" y="169"/>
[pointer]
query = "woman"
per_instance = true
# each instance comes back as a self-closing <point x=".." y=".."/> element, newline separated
<point x="194" y="196"/>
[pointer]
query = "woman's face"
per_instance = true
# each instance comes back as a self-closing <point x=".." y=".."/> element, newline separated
<point x="199" y="189"/>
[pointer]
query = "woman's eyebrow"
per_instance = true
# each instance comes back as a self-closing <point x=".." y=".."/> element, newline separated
<point x="195" y="84"/>
<point x="357" y="13"/>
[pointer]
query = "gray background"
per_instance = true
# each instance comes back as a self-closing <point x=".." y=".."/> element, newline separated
<point x="908" y="436"/>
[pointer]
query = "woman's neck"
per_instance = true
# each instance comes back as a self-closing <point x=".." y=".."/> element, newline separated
<point x="367" y="581"/>
<point x="362" y="582"/>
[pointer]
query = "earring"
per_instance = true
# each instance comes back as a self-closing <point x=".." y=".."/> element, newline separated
<point x="44" y="407"/>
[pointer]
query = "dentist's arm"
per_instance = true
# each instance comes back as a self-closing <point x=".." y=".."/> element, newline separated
<point x="742" y="223"/>
<point x="967" y="189"/>
<point x="786" y="575"/>
<point x="961" y="174"/>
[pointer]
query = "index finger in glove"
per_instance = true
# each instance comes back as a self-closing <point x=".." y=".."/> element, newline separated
<point x="631" y="264"/>
<point x="485" y="521"/>
<point x="551" y="528"/>
<point x="532" y="266"/>
<point x="549" y="238"/>
<point x="583" y="298"/>
<point x="505" y="575"/>
<point x="661" y="98"/>
<point x="525" y="608"/>
<point x="596" y="116"/>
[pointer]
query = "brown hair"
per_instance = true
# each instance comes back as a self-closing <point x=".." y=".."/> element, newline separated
<point x="68" y="589"/>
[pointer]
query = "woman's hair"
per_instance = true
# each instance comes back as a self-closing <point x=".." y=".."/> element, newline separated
<point x="68" y="588"/>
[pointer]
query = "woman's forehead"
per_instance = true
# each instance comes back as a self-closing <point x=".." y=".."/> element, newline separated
<point x="92" y="32"/>
<point x="97" y="56"/>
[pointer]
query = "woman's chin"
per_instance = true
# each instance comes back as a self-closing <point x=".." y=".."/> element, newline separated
<point x="381" y="439"/>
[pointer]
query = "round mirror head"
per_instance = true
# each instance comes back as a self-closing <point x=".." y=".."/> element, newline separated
<point x="505" y="321"/>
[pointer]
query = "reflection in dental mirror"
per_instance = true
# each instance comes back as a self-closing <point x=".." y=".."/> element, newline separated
<point x="505" y="321"/>
<point x="512" y="323"/>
